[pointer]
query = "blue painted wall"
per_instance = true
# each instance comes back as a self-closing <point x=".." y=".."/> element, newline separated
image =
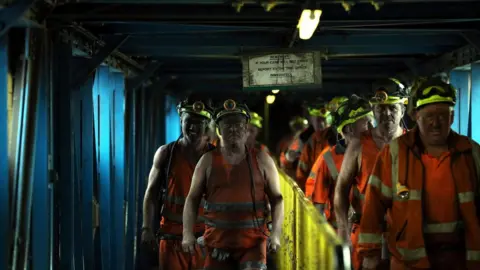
<point x="172" y="120"/>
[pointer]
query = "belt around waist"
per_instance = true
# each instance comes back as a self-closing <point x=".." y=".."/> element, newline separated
<point x="167" y="236"/>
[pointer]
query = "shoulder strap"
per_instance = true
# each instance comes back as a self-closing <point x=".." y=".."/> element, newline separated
<point x="328" y="158"/>
<point x="165" y="173"/>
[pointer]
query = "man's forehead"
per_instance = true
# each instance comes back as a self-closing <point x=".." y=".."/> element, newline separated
<point x="435" y="108"/>
<point x="194" y="117"/>
<point x="233" y="118"/>
<point x="388" y="106"/>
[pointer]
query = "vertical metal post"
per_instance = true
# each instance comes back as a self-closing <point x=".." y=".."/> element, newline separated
<point x="102" y="91"/>
<point x="475" y="99"/>
<point x="460" y="79"/>
<point x="64" y="144"/>
<point x="4" y="182"/>
<point x="132" y="172"/>
<point x="41" y="210"/>
<point x="87" y="172"/>
<point x="118" y="181"/>
<point x="26" y="151"/>
<point x="266" y="121"/>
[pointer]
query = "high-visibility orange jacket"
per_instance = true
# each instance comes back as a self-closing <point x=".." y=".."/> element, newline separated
<point x="321" y="181"/>
<point x="230" y="219"/>
<point x="296" y="146"/>
<point x="431" y="203"/>
<point x="312" y="149"/>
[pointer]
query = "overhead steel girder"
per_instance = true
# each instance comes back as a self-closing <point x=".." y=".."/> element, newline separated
<point x="473" y="38"/>
<point x="112" y="43"/>
<point x="216" y="51"/>
<point x="286" y="17"/>
<point x="160" y="83"/>
<point x="444" y="63"/>
<point x="138" y="80"/>
<point x="268" y="39"/>
<point x="11" y="14"/>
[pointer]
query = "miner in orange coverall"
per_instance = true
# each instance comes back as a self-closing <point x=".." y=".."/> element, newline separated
<point x="351" y="119"/>
<point x="254" y="127"/>
<point x="170" y="178"/>
<point x="388" y="109"/>
<point x="235" y="181"/>
<point x="297" y="125"/>
<point x="428" y="181"/>
<point x="323" y="136"/>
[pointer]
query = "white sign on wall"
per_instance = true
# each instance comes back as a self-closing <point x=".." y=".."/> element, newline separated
<point x="282" y="69"/>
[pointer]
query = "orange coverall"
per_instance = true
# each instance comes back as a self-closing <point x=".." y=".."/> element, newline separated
<point x="179" y="181"/>
<point x="232" y="225"/>
<point x="320" y="184"/>
<point x="312" y="149"/>
<point x="434" y="216"/>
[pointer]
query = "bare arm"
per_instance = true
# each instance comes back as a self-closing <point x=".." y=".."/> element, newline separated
<point x="153" y="187"/>
<point x="190" y="210"/>
<point x="348" y="171"/>
<point x="273" y="192"/>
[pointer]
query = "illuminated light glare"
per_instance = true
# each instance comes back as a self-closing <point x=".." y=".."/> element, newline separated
<point x="270" y="99"/>
<point x="305" y="122"/>
<point x="308" y="22"/>
<point x="275" y="91"/>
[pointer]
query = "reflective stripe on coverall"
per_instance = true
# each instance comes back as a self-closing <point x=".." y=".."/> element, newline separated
<point x="312" y="149"/>
<point x="395" y="185"/>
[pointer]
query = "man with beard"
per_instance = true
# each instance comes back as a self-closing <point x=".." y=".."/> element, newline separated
<point x="235" y="181"/>
<point x="428" y="181"/>
<point x="388" y="109"/>
<point x="170" y="178"/>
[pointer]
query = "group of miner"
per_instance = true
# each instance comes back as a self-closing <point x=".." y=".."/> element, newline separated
<point x="401" y="198"/>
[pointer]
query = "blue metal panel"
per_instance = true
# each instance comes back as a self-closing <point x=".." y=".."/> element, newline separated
<point x="102" y="91"/>
<point x="87" y="173"/>
<point x="461" y="80"/>
<point x="118" y="187"/>
<point x="475" y="99"/>
<point x="132" y="172"/>
<point x="172" y="120"/>
<point x="41" y="208"/>
<point x="4" y="183"/>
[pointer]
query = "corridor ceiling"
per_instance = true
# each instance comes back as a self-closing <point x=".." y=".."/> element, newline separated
<point x="196" y="45"/>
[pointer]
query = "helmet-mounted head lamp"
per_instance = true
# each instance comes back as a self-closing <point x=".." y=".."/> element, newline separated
<point x="231" y="107"/>
<point x="433" y="90"/>
<point x="198" y="108"/>
<point x="298" y="121"/>
<point x="256" y="120"/>
<point x="351" y="111"/>
<point x="390" y="91"/>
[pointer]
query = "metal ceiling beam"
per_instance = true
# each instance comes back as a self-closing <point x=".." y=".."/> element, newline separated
<point x="444" y="63"/>
<point x="192" y="52"/>
<point x="89" y="67"/>
<point x="11" y="14"/>
<point x="255" y="15"/>
<point x="273" y="39"/>
<point x="149" y="71"/>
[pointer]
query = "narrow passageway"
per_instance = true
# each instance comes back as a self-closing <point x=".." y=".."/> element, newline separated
<point x="90" y="91"/>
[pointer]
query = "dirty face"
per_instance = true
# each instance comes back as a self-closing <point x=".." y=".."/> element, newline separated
<point x="318" y="122"/>
<point x="194" y="127"/>
<point x="434" y="123"/>
<point x="388" y="116"/>
<point x="252" y="133"/>
<point x="233" y="129"/>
